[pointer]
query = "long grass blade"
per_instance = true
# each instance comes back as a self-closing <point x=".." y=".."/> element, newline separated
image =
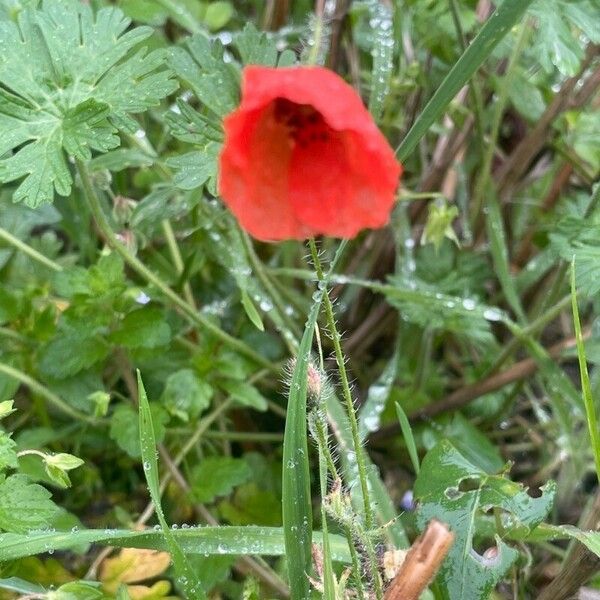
<point x="249" y="539"/>
<point x="588" y="400"/>
<point x="186" y="578"/>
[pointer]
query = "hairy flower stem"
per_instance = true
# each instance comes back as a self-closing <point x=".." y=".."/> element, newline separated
<point x="326" y="462"/>
<point x="192" y="315"/>
<point x="339" y="357"/>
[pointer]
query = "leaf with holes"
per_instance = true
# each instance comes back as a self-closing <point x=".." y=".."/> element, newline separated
<point x="453" y="490"/>
<point x="69" y="80"/>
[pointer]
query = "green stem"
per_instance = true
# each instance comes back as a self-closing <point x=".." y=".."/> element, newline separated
<point x="529" y="331"/>
<point x="177" y="260"/>
<point x="289" y="338"/>
<point x="355" y="564"/>
<point x="31" y="452"/>
<point x="26" y="249"/>
<point x="339" y="356"/>
<point x="188" y="311"/>
<point x="38" y="388"/>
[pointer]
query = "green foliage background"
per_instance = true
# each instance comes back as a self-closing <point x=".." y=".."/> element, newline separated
<point x="116" y="255"/>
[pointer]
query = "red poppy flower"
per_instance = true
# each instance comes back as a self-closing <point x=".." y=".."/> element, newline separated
<point x="303" y="157"/>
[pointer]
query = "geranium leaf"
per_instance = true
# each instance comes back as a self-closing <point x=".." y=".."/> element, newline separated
<point x="68" y="83"/>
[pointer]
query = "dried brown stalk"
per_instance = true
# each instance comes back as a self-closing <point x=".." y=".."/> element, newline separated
<point x="520" y="159"/>
<point x="421" y="563"/>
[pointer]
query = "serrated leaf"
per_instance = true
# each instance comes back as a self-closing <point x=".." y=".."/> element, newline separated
<point x="557" y="43"/>
<point x="185" y="395"/>
<point x="218" y="476"/>
<point x="72" y="351"/>
<point x="143" y="328"/>
<point x="194" y="169"/>
<point x="188" y="125"/>
<point x="201" y="67"/>
<point x="73" y="83"/>
<point x="24" y="505"/>
<point x="456" y="492"/>
<point x="255" y="47"/>
<point x="420" y="303"/>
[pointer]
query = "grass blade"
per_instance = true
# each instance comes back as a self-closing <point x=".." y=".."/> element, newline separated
<point x="186" y="577"/>
<point x="586" y="388"/>
<point x="409" y="439"/>
<point x="242" y="540"/>
<point x="497" y="238"/>
<point x="495" y="28"/>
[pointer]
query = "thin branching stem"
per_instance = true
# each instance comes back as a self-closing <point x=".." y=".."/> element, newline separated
<point x="42" y="390"/>
<point x="195" y="317"/>
<point x="26" y="249"/>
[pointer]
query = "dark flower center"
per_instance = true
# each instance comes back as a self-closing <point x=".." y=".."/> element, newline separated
<point x="305" y="124"/>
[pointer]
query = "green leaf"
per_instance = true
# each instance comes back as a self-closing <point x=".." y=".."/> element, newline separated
<point x="58" y="359"/>
<point x="78" y="590"/>
<point x="245" y="393"/>
<point x="124" y="427"/>
<point x="203" y="69"/>
<point x="217" y="476"/>
<point x="186" y="577"/>
<point x="194" y="169"/>
<point x="143" y="328"/>
<point x="185" y="395"/>
<point x="218" y="14"/>
<point x="8" y="456"/>
<point x="251" y="311"/>
<point x="255" y="47"/>
<point x="188" y="125"/>
<point x="456" y="492"/>
<point x="6" y="408"/>
<point x="64" y="461"/>
<point x="73" y="83"/>
<point x="105" y="278"/>
<point x="420" y="303"/>
<point x="495" y="28"/>
<point x="121" y="159"/>
<point x="251" y="505"/>
<point x="24" y="505"/>
<point x="559" y="25"/>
